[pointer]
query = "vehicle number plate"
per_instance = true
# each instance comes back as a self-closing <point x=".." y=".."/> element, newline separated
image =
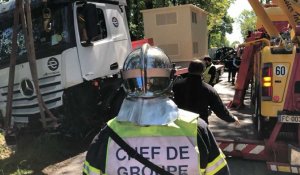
<point x="289" y="118"/>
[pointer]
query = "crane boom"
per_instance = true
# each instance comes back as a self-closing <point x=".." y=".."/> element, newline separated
<point x="262" y="15"/>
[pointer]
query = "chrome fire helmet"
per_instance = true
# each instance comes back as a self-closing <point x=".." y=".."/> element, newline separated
<point x="147" y="72"/>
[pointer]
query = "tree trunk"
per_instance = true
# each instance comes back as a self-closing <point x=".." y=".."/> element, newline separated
<point x="11" y="77"/>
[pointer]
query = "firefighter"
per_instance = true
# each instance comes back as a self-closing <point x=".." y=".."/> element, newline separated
<point x="194" y="95"/>
<point x="209" y="74"/>
<point x="151" y="129"/>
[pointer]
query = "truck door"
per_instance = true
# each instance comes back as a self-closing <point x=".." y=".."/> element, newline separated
<point x="95" y="44"/>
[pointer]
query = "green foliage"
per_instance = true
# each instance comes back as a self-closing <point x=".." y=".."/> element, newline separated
<point x="220" y="30"/>
<point x="226" y="42"/>
<point x="217" y="10"/>
<point x="234" y="44"/>
<point x="135" y="18"/>
<point x="4" y="150"/>
<point x="219" y="23"/>
<point x="247" y="21"/>
<point x="215" y="40"/>
<point x="218" y="40"/>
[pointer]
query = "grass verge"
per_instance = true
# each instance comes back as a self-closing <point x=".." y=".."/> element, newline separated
<point x="33" y="153"/>
<point x="5" y="151"/>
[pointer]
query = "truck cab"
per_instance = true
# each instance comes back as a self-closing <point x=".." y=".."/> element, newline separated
<point x="79" y="46"/>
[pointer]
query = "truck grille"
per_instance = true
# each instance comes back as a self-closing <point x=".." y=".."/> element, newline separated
<point x="22" y="106"/>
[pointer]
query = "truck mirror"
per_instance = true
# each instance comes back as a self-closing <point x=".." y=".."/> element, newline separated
<point x="90" y="15"/>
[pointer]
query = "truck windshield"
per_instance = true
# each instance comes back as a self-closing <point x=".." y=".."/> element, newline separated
<point x="52" y="32"/>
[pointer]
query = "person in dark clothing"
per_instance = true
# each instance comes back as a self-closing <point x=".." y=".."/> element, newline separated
<point x="233" y="68"/>
<point x="194" y="95"/>
<point x="228" y="64"/>
<point x="236" y="64"/>
<point x="209" y="74"/>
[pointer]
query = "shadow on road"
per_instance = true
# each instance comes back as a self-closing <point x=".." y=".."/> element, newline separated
<point x="229" y="131"/>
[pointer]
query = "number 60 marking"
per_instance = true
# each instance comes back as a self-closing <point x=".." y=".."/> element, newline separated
<point x="280" y="70"/>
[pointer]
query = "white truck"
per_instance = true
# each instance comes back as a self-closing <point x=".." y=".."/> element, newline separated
<point x="80" y="47"/>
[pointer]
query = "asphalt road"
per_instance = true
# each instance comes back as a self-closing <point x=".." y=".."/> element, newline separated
<point x="221" y="129"/>
<point x="238" y="166"/>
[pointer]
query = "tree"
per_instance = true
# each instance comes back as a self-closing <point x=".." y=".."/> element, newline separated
<point x="247" y="21"/>
<point x="218" y="32"/>
<point x="135" y="19"/>
<point x="219" y="22"/>
<point x="234" y="44"/>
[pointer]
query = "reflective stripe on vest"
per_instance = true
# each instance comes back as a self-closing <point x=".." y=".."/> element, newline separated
<point x="90" y="170"/>
<point x="207" y="76"/>
<point x="217" y="164"/>
<point x="173" y="147"/>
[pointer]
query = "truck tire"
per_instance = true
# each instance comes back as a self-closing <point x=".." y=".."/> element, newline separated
<point x="79" y="110"/>
<point x="254" y="102"/>
<point x="259" y="122"/>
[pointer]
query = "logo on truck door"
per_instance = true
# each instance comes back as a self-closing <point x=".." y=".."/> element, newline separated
<point x="53" y="64"/>
<point x="115" y="22"/>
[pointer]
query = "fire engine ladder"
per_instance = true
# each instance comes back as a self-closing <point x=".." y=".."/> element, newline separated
<point x="23" y="12"/>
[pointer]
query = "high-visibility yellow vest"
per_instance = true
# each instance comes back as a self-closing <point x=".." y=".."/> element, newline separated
<point x="173" y="146"/>
<point x="207" y="76"/>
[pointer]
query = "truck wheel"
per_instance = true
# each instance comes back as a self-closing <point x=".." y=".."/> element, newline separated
<point x="260" y="127"/>
<point x="80" y="103"/>
<point x="258" y="120"/>
<point x="255" y="112"/>
<point x="254" y="103"/>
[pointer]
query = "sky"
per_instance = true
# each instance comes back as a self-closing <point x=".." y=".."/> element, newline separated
<point x="234" y="11"/>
